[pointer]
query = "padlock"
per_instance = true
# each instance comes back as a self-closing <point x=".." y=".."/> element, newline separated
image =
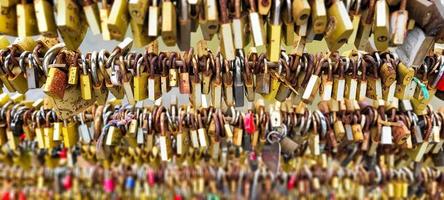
<point x="104" y="13"/>
<point x="46" y="23"/>
<point x="365" y="27"/>
<point x="339" y="82"/>
<point x="26" y="20"/>
<point x="228" y="84"/>
<point x="339" y="27"/>
<point x="153" y="20"/>
<point x="238" y="91"/>
<point x="168" y="29"/>
<point x="118" y="19"/>
<point x="154" y="90"/>
<point x="256" y="25"/>
<point x="184" y="80"/>
<point x="249" y="82"/>
<point x="301" y="11"/>
<point x="8" y="20"/>
<point x="289" y="25"/>
<point x="209" y="19"/>
<point x="398" y="24"/>
<point x="326" y="89"/>
<point x="226" y="34"/>
<point x="374" y="85"/>
<point x="216" y="86"/>
<point x="16" y="76"/>
<point x="274" y="32"/>
<point x="263" y="79"/>
<point x="184" y="36"/>
<point x="415" y="47"/>
<point x="238" y="26"/>
<point x="140" y="34"/>
<point x="85" y="81"/>
<point x="165" y="85"/>
<point x="71" y="23"/>
<point x="404" y="77"/>
<point x="173" y="74"/>
<point x="351" y="82"/>
<point x="138" y="10"/>
<point x="164" y="140"/>
<point x="318" y="16"/>
<point x="196" y="85"/>
<point x="381" y="25"/>
<point x="207" y="75"/>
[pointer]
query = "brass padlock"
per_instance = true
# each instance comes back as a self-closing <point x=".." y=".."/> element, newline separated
<point x="313" y="83"/>
<point x="381" y="25"/>
<point x="104" y="13"/>
<point x="8" y="20"/>
<point x="351" y="82"/>
<point x="153" y="20"/>
<point x="164" y="140"/>
<point x="216" y="86"/>
<point x="365" y="27"/>
<point x="339" y="82"/>
<point x="98" y="82"/>
<point x="140" y="34"/>
<point x="301" y="11"/>
<point x="173" y="74"/>
<point x="339" y="27"/>
<point x="184" y="80"/>
<point x="289" y="25"/>
<point x="238" y="25"/>
<point x="26" y="20"/>
<point x="228" y="84"/>
<point x="207" y="75"/>
<point x="284" y="90"/>
<point x="46" y="23"/>
<point x="138" y="10"/>
<point x="169" y="31"/>
<point x="16" y="77"/>
<point x="86" y="82"/>
<point x="274" y="32"/>
<point x="374" y="85"/>
<point x="165" y="86"/>
<point x="196" y="85"/>
<point x="184" y="36"/>
<point x="256" y="25"/>
<point x="404" y="77"/>
<point x="225" y="32"/>
<point x="91" y="10"/>
<point x="140" y="81"/>
<point x="209" y="19"/>
<point x="318" y="16"/>
<point x="118" y="19"/>
<point x="71" y="23"/>
<point x="249" y="82"/>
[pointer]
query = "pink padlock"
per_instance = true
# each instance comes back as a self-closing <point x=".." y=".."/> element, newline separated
<point x="108" y="185"/>
<point x="150" y="177"/>
<point x="249" y="125"/>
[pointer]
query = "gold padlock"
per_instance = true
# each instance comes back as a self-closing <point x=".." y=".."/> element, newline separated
<point x="274" y="33"/>
<point x="140" y="34"/>
<point x="301" y="11"/>
<point x="138" y="10"/>
<point x="318" y="16"/>
<point x="91" y="10"/>
<point x="46" y="23"/>
<point x="340" y="26"/>
<point x="118" y="19"/>
<point x="381" y="25"/>
<point x="169" y="31"/>
<point x="140" y="81"/>
<point x="26" y="20"/>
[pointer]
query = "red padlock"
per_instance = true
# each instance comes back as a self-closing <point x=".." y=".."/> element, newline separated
<point x="249" y="125"/>
<point x="67" y="182"/>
